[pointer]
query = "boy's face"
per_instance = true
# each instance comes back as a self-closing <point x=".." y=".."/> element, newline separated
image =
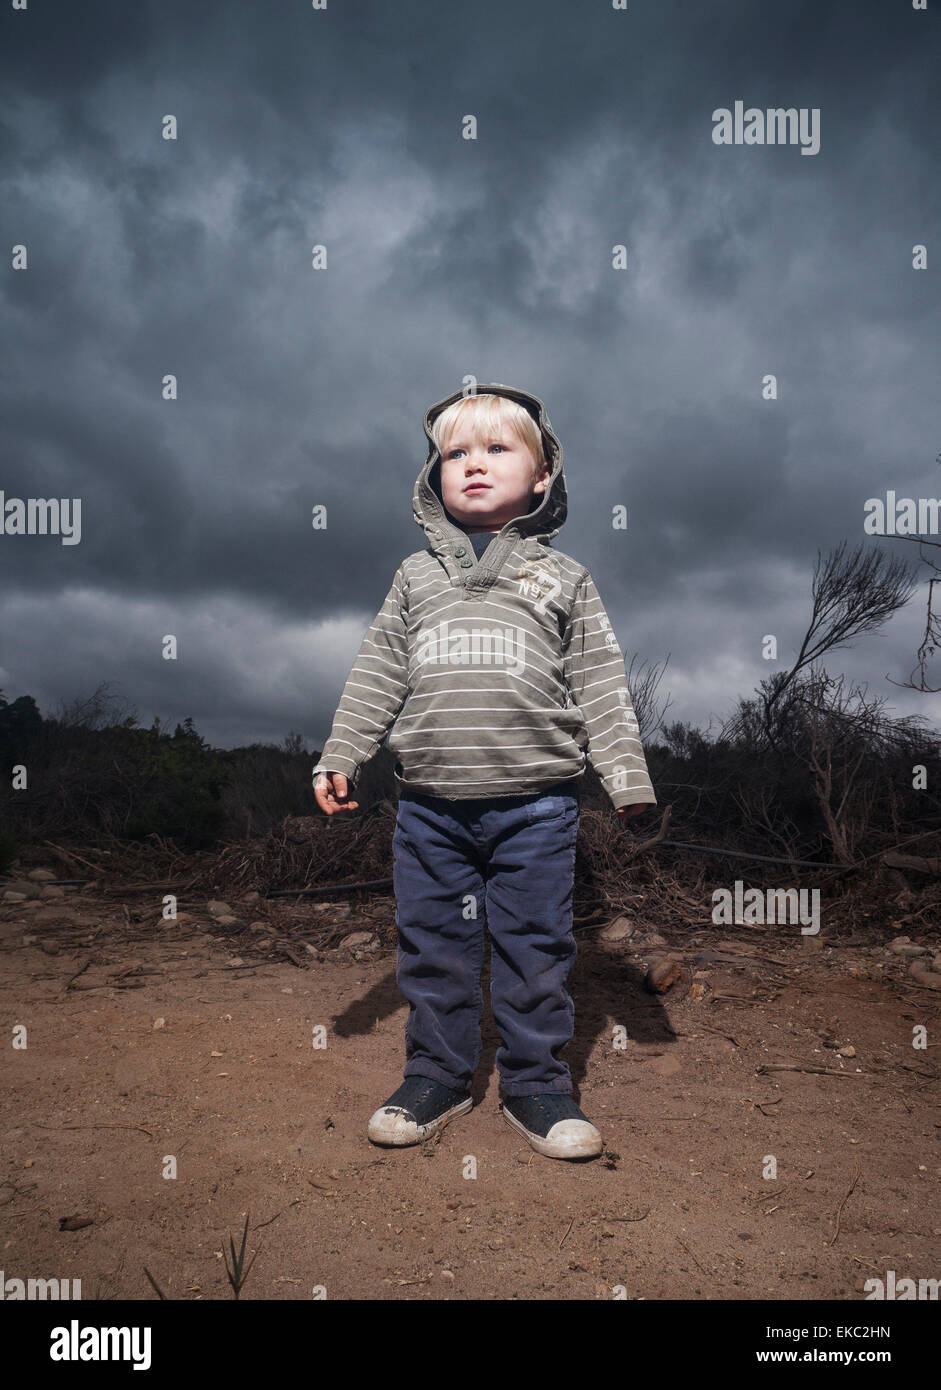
<point x="486" y="485"/>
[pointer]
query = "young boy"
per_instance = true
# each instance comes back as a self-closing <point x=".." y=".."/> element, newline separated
<point x="493" y="663"/>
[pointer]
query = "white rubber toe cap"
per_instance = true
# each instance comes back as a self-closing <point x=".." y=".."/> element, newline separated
<point x="566" y="1138"/>
<point x="573" y="1139"/>
<point x="392" y="1125"/>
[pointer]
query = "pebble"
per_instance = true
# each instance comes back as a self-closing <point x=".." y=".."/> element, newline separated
<point x="356" y="938"/>
<point x="618" y="930"/>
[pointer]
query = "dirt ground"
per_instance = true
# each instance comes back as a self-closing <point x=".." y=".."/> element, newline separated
<point x="148" y="1049"/>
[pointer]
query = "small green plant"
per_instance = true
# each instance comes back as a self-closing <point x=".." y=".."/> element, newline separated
<point x="236" y="1276"/>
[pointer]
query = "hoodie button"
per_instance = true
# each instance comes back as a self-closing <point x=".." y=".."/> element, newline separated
<point x="466" y="564"/>
<point x="461" y="550"/>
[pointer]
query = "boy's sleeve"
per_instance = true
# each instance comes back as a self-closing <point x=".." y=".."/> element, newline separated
<point x="594" y="672"/>
<point x="375" y="689"/>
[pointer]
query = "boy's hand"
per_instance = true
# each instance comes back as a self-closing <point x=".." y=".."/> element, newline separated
<point x="626" y="812"/>
<point x="332" y="792"/>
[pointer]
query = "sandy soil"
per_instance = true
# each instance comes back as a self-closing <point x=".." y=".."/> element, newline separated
<point x="161" y="1052"/>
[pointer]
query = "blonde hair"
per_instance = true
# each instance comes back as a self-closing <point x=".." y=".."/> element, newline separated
<point x="489" y="414"/>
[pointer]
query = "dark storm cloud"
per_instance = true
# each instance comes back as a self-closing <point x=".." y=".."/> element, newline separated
<point x="446" y="257"/>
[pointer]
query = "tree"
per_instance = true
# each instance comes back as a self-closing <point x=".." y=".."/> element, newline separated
<point x="643" y="688"/>
<point x="852" y="595"/>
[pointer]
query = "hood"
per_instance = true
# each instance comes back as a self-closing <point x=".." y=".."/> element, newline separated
<point x="547" y="516"/>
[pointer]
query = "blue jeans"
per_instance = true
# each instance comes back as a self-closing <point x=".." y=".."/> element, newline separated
<point x="507" y="864"/>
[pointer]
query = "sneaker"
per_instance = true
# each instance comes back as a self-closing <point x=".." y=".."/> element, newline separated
<point x="418" y="1108"/>
<point x="553" y="1125"/>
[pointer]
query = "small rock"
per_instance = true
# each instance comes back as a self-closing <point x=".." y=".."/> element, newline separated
<point x="10" y="897"/>
<point x="75" y="1223"/>
<point x="252" y="897"/>
<point x="901" y="946"/>
<point x="236" y="960"/>
<point x="218" y="908"/>
<point x="924" y="976"/>
<point x="28" y="940"/>
<point x="51" y="948"/>
<point x="662" y="976"/>
<point x="41" y="875"/>
<point x="159" y="1023"/>
<point x="618" y="930"/>
<point x="705" y="957"/>
<point x="649" y="942"/>
<point x="25" y="887"/>
<point x="356" y="938"/>
<point x="53" y="890"/>
<point x="846" y="1052"/>
<point x="258" y="926"/>
<point x="224" y="921"/>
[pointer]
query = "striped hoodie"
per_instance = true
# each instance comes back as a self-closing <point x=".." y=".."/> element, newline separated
<point x="492" y="677"/>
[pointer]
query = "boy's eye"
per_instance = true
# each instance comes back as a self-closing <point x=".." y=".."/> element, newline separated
<point x="453" y="453"/>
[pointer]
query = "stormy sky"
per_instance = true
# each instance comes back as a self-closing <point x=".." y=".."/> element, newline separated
<point x="449" y="257"/>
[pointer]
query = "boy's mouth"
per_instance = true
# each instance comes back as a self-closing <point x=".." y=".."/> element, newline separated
<point x="477" y="487"/>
